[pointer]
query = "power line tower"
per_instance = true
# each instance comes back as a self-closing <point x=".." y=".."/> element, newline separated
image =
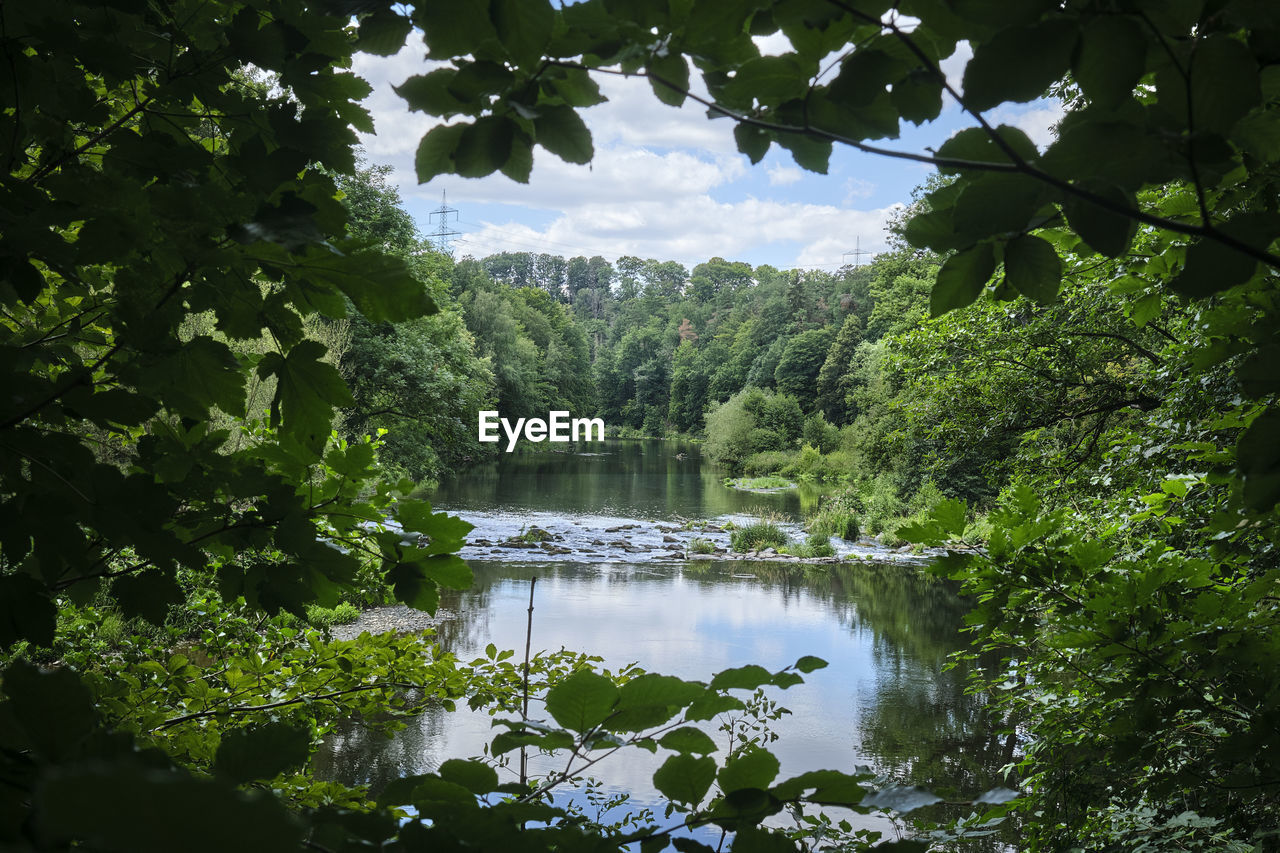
<point x="857" y="253"/>
<point x="443" y="233"/>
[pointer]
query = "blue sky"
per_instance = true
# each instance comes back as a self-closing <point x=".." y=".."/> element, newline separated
<point x="667" y="183"/>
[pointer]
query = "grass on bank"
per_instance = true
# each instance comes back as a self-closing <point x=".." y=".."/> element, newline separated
<point x="758" y="483"/>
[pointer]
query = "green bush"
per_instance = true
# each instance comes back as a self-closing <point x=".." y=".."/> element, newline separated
<point x="816" y="545"/>
<point x="882" y="502"/>
<point x="769" y="462"/>
<point x="808" y="462"/>
<point x="326" y="617"/>
<point x="702" y="546"/>
<point x="754" y="537"/>
<point x="839" y="516"/>
<point x="820" y="434"/>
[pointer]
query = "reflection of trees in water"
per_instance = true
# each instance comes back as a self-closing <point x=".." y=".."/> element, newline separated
<point x="920" y="725"/>
<point x="356" y="754"/>
<point x="915" y="720"/>
<point x="635" y="478"/>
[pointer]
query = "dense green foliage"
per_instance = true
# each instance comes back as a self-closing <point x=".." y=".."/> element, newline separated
<point x="421" y="379"/>
<point x="176" y="248"/>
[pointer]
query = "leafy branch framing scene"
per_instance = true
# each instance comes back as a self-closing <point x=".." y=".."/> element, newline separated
<point x="1047" y="420"/>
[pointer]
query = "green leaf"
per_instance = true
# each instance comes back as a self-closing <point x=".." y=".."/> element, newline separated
<point x="949" y="515"/>
<point x="685" y="779"/>
<point x="476" y="776"/>
<point x="383" y="33"/>
<point x="561" y="131"/>
<point x="761" y="840"/>
<point x="1108" y="152"/>
<point x="435" y="151"/>
<point x="997" y="204"/>
<point x="380" y="285"/>
<point x="654" y="689"/>
<point x="411" y="586"/>
<point x="997" y="796"/>
<point x="864" y="76"/>
<point x="1106" y="232"/>
<point x="519" y="165"/>
<point x="147" y="594"/>
<point x="1258" y="455"/>
<point x="669" y="77"/>
<point x="755" y="768"/>
<point x="582" y="701"/>
<point x="1111" y="59"/>
<point x="26" y="611"/>
<point x="767" y="80"/>
<point x="1019" y="63"/>
<point x="431" y="93"/>
<point x="484" y="146"/>
<point x="262" y="752"/>
<point x="1225" y="84"/>
<point x="651" y="699"/>
<point x="962" y="279"/>
<point x="830" y="787"/>
<point x="203" y="373"/>
<point x="524" y="26"/>
<point x="688" y="845"/>
<point x="976" y="145"/>
<point x="448" y="570"/>
<point x="100" y="805"/>
<point x="918" y="96"/>
<point x="307" y="390"/>
<point x="747" y="677"/>
<point x="53" y="709"/>
<point x="710" y="705"/>
<point x="113" y="406"/>
<point x="809" y="153"/>
<point x="1212" y="266"/>
<point x="550" y="740"/>
<point x="1033" y="268"/>
<point x="416" y="516"/>
<point x="1258" y="375"/>
<point x="456" y="29"/>
<point x="687" y="739"/>
<point x="576" y="88"/>
<point x="752" y="141"/>
<point x="809" y="663"/>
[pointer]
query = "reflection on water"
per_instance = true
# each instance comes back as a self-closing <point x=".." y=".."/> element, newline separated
<point x="885" y="630"/>
<point x="665" y="480"/>
<point x="886" y="699"/>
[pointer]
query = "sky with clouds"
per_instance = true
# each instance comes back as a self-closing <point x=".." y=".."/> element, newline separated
<point x="666" y="183"/>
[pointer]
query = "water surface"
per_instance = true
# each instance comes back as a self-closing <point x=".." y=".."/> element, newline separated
<point x="885" y="701"/>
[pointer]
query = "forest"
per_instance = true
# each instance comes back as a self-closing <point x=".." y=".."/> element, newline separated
<point x="234" y="368"/>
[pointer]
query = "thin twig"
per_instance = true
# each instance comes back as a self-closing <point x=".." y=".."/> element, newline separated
<point x="524" y="707"/>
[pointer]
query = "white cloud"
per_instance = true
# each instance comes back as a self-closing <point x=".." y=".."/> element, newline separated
<point x="663" y="184"/>
<point x="953" y="67"/>
<point x="784" y="176"/>
<point x="1037" y="120"/>
<point x="691" y="230"/>
<point x="857" y="188"/>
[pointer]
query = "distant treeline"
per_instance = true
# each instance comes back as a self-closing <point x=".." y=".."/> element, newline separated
<point x="815" y="374"/>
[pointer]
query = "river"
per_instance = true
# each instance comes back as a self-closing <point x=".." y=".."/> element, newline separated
<point x="886" y="701"/>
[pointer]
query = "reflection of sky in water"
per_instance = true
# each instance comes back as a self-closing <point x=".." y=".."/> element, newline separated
<point x="668" y="620"/>
<point x="885" y="631"/>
